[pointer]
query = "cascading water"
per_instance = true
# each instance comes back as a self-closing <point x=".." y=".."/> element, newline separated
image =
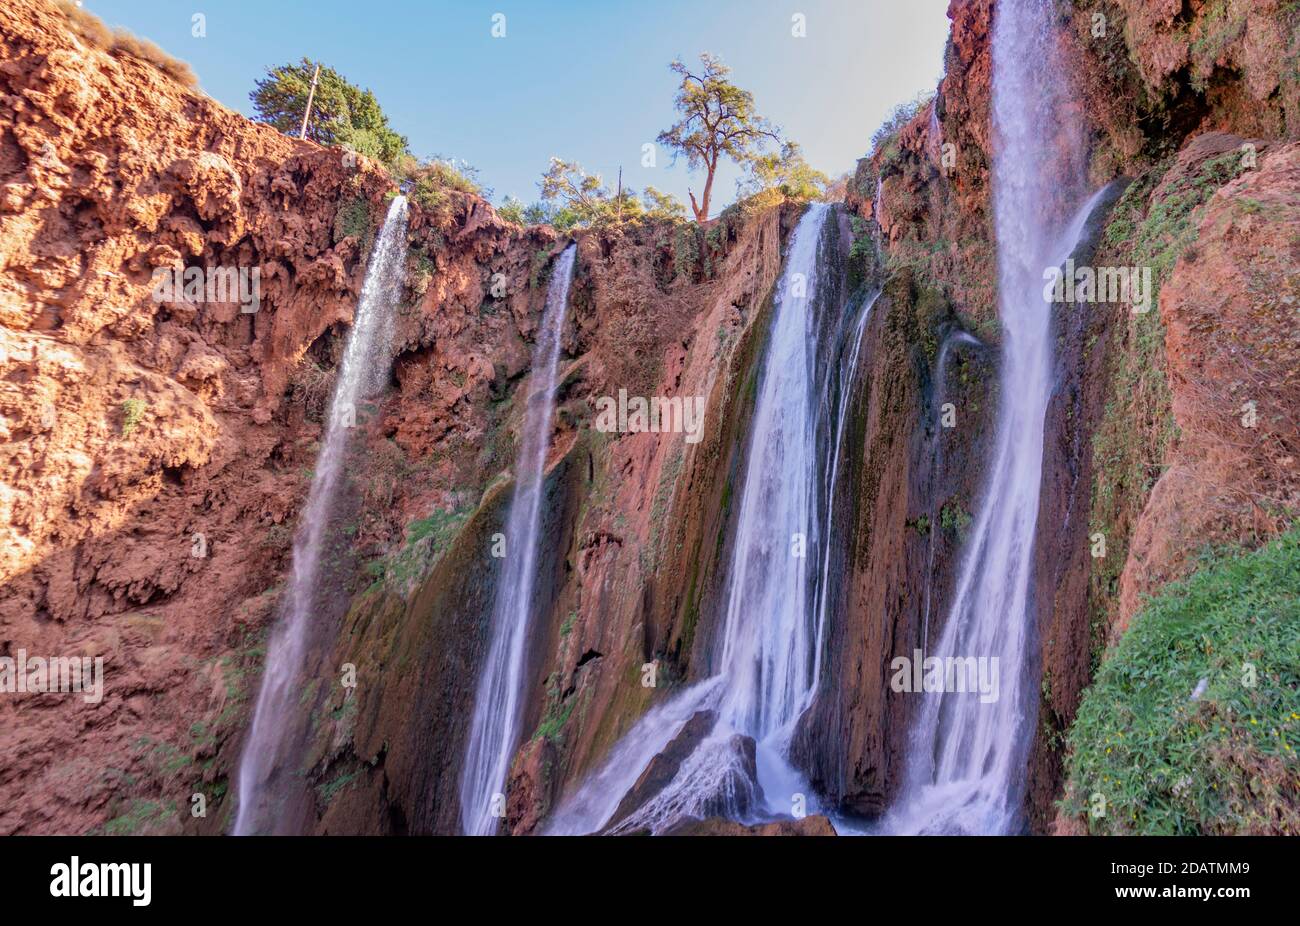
<point x="771" y="634"/>
<point x="264" y="766"/>
<point x="966" y="772"/>
<point x="848" y="372"/>
<point x="494" y="729"/>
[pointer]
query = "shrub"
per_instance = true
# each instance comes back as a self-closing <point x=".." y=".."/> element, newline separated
<point x="1221" y="762"/>
<point x="428" y="181"/>
<point x="132" y="413"/>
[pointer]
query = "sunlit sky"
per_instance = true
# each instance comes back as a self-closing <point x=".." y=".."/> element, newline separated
<point x="584" y="80"/>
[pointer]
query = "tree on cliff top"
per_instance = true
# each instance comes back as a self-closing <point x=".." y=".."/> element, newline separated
<point x="341" y="112"/>
<point x="782" y="175"/>
<point x="573" y="197"/>
<point x="717" y="120"/>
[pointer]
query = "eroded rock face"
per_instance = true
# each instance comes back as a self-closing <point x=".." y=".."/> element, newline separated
<point x="146" y="499"/>
<point x="156" y="449"/>
<point x="155" y="452"/>
<point x="1233" y="354"/>
<point x="633" y="525"/>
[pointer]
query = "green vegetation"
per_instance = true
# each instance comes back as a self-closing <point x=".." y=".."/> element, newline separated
<point x="557" y="712"/>
<point x="426" y="540"/>
<point x="429" y="181"/>
<point x="352" y="220"/>
<point x="1160" y="237"/>
<point x="885" y="138"/>
<point x="783" y="175"/>
<point x="954" y="519"/>
<point x="141" y="818"/>
<point x="573" y="198"/>
<point x="1224" y="762"/>
<point x="341" y="113"/>
<point x="330" y="789"/>
<point x="513" y="210"/>
<point x="132" y="414"/>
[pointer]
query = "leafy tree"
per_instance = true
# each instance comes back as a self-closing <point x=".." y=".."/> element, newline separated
<point x="784" y="172"/>
<point x="512" y="210"/>
<point x="717" y="120"/>
<point x="585" y="195"/>
<point x="662" y="206"/>
<point x="573" y="197"/>
<point x="341" y="114"/>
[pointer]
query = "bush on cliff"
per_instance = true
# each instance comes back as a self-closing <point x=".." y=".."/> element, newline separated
<point x="341" y="113"/>
<point x="1193" y="723"/>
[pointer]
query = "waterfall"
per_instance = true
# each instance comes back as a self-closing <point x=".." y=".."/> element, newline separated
<point x="264" y="767"/>
<point x="847" y="375"/>
<point x="775" y="613"/>
<point x="494" y="729"/>
<point x="966" y="764"/>
<point x="767" y="639"/>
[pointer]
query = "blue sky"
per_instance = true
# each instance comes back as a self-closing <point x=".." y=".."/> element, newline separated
<point x="583" y="80"/>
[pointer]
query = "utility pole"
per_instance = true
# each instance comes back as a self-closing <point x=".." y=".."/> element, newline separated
<point x="311" y="95"/>
<point x="620" y="194"/>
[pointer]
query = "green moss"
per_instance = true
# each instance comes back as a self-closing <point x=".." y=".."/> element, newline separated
<point x="352" y="220"/>
<point x="1225" y="762"/>
<point x="141" y="817"/>
<point x="329" y="790"/>
<point x="426" y="540"/>
<point x="132" y="414"/>
<point x="954" y="519"/>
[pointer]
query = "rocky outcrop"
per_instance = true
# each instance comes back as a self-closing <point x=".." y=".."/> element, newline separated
<point x="1232" y="348"/>
<point x="147" y="498"/>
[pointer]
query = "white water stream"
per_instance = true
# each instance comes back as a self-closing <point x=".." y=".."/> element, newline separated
<point x="967" y="760"/>
<point x="269" y="751"/>
<point x="771" y="634"/>
<point x="494" y="729"/>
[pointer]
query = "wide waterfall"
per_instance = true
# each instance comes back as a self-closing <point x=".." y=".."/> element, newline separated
<point x="266" y="767"/>
<point x="768" y="653"/>
<point x="966" y="764"/>
<point x="494" y="729"/>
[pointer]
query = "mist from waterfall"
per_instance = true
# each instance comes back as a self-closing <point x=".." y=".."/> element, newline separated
<point x="967" y="757"/>
<point x="266" y="766"/>
<point x="494" y="728"/>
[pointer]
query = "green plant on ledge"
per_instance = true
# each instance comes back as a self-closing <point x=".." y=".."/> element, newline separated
<point x="132" y="413"/>
<point x="1193" y="723"/>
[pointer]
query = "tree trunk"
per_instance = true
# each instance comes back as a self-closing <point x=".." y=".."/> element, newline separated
<point x="702" y="213"/>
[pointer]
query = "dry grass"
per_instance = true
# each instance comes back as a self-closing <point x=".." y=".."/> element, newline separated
<point x="92" y="30"/>
<point x="311" y="386"/>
